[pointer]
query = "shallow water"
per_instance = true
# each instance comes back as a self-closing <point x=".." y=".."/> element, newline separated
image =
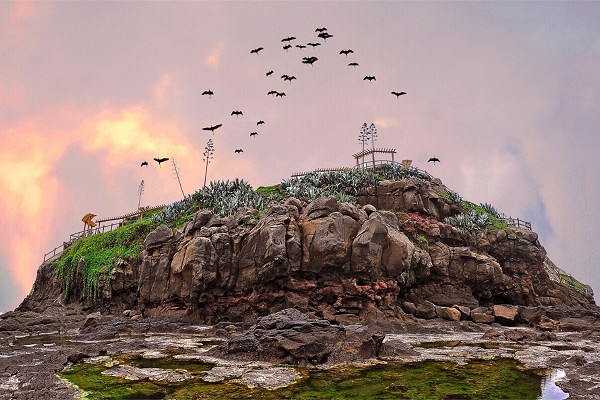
<point x="549" y="389"/>
<point x="491" y="379"/>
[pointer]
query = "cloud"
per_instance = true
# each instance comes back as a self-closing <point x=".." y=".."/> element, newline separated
<point x="213" y="59"/>
<point x="383" y="122"/>
<point x="162" y="87"/>
<point x="19" y="19"/>
<point x="12" y="95"/>
<point x="35" y="196"/>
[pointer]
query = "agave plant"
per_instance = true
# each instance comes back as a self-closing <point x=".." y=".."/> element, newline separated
<point x="225" y="197"/>
<point x="172" y="212"/>
<point x="490" y="209"/>
<point x="470" y="222"/>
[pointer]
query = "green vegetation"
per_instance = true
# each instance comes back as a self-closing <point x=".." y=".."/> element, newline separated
<point x="423" y="242"/>
<point x="100" y="252"/>
<point x="477" y="217"/>
<point x="270" y="192"/>
<point x="573" y="283"/>
<point x="487" y="380"/>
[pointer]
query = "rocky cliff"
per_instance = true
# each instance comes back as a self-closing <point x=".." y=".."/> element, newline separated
<point x="381" y="261"/>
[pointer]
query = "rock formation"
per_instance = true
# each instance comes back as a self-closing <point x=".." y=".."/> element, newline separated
<point x="380" y="262"/>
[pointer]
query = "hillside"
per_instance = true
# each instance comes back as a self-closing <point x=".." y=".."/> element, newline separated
<point x="350" y="247"/>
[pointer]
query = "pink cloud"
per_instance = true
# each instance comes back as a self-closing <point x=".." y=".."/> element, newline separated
<point x="213" y="58"/>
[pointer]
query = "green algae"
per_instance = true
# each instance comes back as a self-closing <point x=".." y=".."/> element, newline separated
<point x="486" y="380"/>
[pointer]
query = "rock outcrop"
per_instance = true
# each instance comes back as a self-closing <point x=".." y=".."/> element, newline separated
<point x="384" y="263"/>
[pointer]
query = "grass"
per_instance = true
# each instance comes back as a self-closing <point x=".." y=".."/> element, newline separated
<point x="100" y="252"/>
<point x="485" y="380"/>
<point x="270" y="191"/>
<point x="573" y="283"/>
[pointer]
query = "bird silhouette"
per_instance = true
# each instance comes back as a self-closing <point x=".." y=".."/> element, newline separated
<point x="300" y="46"/>
<point x="353" y="64"/>
<point x="161" y="160"/>
<point x="144" y="164"/>
<point x="288" y="39"/>
<point x="261" y="122"/>
<point x="287" y="46"/>
<point x="369" y="78"/>
<point x="253" y="133"/>
<point x="313" y="45"/>
<point x="207" y="92"/>
<point x="320" y="30"/>
<point x="272" y="92"/>
<point x="270" y="73"/>
<point x="309" y="60"/>
<point x="280" y="94"/>
<point x="433" y="160"/>
<point x="238" y="151"/>
<point x="324" y="35"/>
<point x="398" y="94"/>
<point x="257" y="50"/>
<point x="212" y="128"/>
<point x="289" y="78"/>
<point x="346" y="52"/>
<point x="237" y="113"/>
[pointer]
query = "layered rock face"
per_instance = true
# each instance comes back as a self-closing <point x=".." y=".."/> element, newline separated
<point x="342" y="262"/>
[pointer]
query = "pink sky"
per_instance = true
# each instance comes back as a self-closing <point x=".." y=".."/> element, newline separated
<point x="505" y="94"/>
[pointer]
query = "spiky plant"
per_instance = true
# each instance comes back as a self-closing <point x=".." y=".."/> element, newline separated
<point x="490" y="209"/>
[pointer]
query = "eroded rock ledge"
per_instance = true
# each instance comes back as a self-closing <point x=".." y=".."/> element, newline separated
<point x="345" y="263"/>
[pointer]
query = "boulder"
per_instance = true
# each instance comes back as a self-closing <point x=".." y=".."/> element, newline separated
<point x="482" y="318"/>
<point x="425" y="310"/>
<point x="505" y="314"/>
<point x="448" y="313"/>
<point x="157" y="237"/>
<point x="395" y="349"/>
<point x="291" y="337"/>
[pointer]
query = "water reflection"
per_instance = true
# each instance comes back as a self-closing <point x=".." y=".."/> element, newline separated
<point x="549" y="389"/>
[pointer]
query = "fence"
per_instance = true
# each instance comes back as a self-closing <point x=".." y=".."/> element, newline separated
<point x="367" y="165"/>
<point x="519" y="223"/>
<point x="99" y="229"/>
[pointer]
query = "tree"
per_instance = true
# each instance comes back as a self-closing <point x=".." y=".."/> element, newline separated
<point x="208" y="155"/>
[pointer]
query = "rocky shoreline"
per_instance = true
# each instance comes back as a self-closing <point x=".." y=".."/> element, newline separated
<point x="39" y="347"/>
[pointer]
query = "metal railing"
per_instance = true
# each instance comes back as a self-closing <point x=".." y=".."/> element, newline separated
<point x="366" y="165"/>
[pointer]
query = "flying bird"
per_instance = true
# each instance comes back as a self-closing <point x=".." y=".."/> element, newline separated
<point x="270" y="73"/>
<point x="161" y="160"/>
<point x="313" y="44"/>
<point x="280" y="94"/>
<point x="346" y="52"/>
<point x="212" y="128"/>
<point x="324" y="35"/>
<point x="272" y="92"/>
<point x="257" y="50"/>
<point x="261" y="122"/>
<point x="309" y="60"/>
<point x="398" y="94"/>
<point x="433" y="160"/>
<point x="237" y="113"/>
<point x="369" y="78"/>
<point x="288" y="39"/>
<point x="289" y="78"/>
<point x="287" y="46"/>
<point x="320" y="30"/>
<point x="353" y="64"/>
<point x="253" y="133"/>
<point x="300" y="46"/>
<point x="207" y="92"/>
<point x="238" y="151"/>
<point x="144" y="164"/>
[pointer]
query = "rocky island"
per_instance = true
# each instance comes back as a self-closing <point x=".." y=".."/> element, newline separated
<point x="241" y="293"/>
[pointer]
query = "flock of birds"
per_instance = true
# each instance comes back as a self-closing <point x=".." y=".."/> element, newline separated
<point x="323" y="34"/>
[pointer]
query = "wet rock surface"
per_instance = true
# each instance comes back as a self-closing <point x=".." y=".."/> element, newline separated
<point x="28" y="363"/>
